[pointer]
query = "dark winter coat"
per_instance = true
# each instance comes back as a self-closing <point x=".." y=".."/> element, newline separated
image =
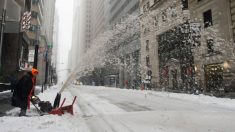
<point x="22" y="91"/>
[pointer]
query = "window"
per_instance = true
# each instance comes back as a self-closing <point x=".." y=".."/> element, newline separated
<point x="207" y="16"/>
<point x="147" y="45"/>
<point x="34" y="14"/>
<point x="164" y="16"/>
<point x="185" y="4"/>
<point x="173" y="10"/>
<point x="147" y="61"/>
<point x="28" y="5"/>
<point x="210" y="45"/>
<point x="146" y="7"/>
<point x="35" y="1"/>
<point x="155" y="1"/>
<point x="33" y="28"/>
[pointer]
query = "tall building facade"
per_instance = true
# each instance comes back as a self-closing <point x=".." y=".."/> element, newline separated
<point x="86" y="28"/>
<point x="92" y="23"/>
<point x="128" y="74"/>
<point x="99" y="17"/>
<point x="120" y="8"/>
<point x="187" y="45"/>
<point x="157" y="20"/>
<point x="46" y="42"/>
<point x="75" y="48"/>
<point x="214" y="59"/>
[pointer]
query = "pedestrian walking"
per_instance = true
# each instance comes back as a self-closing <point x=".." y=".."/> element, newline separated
<point x="126" y="84"/>
<point x="24" y="91"/>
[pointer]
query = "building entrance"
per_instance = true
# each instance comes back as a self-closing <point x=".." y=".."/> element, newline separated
<point x="213" y="77"/>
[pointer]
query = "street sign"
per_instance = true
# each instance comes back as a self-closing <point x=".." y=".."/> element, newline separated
<point x="26" y="21"/>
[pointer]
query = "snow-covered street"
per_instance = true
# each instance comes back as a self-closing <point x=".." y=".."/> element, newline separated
<point x="102" y="109"/>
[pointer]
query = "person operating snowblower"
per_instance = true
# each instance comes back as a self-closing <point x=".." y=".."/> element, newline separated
<point x="24" y="91"/>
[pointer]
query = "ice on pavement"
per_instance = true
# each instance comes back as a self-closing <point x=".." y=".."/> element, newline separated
<point x="103" y="109"/>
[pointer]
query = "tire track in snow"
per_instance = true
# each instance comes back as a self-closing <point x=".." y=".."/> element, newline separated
<point x="97" y="120"/>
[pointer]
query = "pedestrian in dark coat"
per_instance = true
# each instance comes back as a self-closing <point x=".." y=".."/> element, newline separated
<point x="24" y="91"/>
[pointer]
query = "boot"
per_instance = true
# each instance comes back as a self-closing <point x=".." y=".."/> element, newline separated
<point x="22" y="112"/>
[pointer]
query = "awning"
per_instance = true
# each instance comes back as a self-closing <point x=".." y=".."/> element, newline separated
<point x="13" y="11"/>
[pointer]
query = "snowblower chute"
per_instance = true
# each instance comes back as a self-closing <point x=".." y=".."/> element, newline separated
<point x="62" y="109"/>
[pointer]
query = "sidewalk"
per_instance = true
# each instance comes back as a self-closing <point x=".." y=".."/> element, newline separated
<point x="5" y="100"/>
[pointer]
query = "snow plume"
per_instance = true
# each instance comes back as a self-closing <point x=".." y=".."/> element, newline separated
<point x="105" y="49"/>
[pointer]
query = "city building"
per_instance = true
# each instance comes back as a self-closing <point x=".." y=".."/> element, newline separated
<point x="128" y="73"/>
<point x="188" y="45"/>
<point x="86" y="22"/>
<point x="164" y="52"/>
<point x="14" y="43"/>
<point x="55" y="46"/>
<point x="24" y="39"/>
<point x="46" y="43"/>
<point x="99" y="17"/>
<point x="120" y="8"/>
<point x="92" y="23"/>
<point x="75" y="48"/>
<point x="214" y="59"/>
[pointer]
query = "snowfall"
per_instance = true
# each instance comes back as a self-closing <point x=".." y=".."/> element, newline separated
<point x="105" y="109"/>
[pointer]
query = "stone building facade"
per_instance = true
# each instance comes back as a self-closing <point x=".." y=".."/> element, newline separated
<point x="187" y="45"/>
<point x="158" y="18"/>
<point x="214" y="59"/>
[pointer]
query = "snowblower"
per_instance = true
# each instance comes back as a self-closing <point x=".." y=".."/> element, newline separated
<point x="57" y="109"/>
<point x="69" y="108"/>
<point x="45" y="107"/>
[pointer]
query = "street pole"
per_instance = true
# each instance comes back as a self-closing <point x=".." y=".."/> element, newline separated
<point x="46" y="72"/>
<point x="2" y="29"/>
<point x="35" y="64"/>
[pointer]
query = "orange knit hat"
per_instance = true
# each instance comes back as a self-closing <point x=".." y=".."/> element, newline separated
<point x="34" y="71"/>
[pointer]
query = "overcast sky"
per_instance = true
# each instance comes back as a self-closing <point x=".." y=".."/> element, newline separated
<point x="65" y="11"/>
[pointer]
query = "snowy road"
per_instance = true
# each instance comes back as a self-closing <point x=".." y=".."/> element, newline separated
<point x="115" y="110"/>
<point x="102" y="109"/>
